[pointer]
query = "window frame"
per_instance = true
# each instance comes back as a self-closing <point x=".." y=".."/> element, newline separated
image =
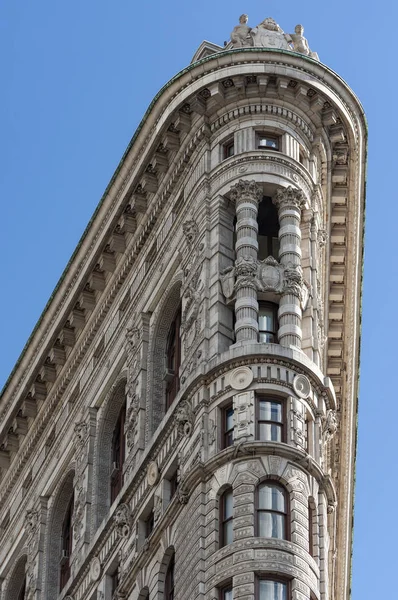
<point x="173" y="344"/>
<point x="226" y="433"/>
<point x="276" y="579"/>
<point x="223" y="521"/>
<point x="270" y="136"/>
<point x="286" y="514"/>
<point x="278" y="400"/>
<point x="118" y="454"/>
<point x="66" y="544"/>
<point x="311" y="515"/>
<point x="226" y="147"/>
<point x="228" y="587"/>
<point x="169" y="580"/>
<point x="274" y="308"/>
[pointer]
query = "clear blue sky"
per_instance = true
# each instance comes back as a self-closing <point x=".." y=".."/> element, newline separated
<point x="77" y="78"/>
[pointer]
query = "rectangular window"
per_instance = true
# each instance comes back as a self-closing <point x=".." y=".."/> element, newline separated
<point x="226" y="518"/>
<point x="267" y="322"/>
<point x="264" y="141"/>
<point x="149" y="524"/>
<point x="272" y="590"/>
<point x="227" y="426"/>
<point x="226" y="593"/>
<point x="228" y="149"/>
<point x="270" y="422"/>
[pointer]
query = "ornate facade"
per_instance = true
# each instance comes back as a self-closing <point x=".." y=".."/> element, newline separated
<point x="182" y="422"/>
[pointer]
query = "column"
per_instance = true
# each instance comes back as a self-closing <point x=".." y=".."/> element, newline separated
<point x="246" y="195"/>
<point x="290" y="202"/>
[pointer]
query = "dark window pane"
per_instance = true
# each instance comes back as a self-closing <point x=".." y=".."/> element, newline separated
<point x="227" y="594"/>
<point x="268" y="432"/>
<point x="228" y="505"/>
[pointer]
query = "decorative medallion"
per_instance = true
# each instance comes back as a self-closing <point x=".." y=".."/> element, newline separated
<point x="95" y="569"/>
<point x="152" y="473"/>
<point x="241" y="378"/>
<point x="302" y="386"/>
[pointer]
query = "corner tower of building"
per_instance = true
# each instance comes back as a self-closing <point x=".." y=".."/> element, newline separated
<point x="182" y="422"/>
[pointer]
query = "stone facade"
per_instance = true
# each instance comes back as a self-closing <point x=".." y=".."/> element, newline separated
<point x="178" y="238"/>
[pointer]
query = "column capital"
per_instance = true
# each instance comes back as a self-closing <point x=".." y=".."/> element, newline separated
<point x="289" y="197"/>
<point x="246" y="191"/>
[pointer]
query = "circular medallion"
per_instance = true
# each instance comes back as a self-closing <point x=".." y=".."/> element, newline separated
<point x="95" y="569"/>
<point x="242" y="169"/>
<point x="152" y="473"/>
<point x="125" y="531"/>
<point x="302" y="386"/>
<point x="241" y="378"/>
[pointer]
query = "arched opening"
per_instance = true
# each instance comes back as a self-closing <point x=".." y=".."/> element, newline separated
<point x="268" y="229"/>
<point x="110" y="452"/>
<point x="118" y="454"/>
<point x="16" y="589"/>
<point x="163" y="381"/>
<point x="166" y="581"/>
<point x="226" y="517"/>
<point x="173" y="359"/>
<point x="60" y="538"/>
<point x="169" y="581"/>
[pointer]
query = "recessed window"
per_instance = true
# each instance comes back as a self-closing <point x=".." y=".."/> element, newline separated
<point x="271" y="511"/>
<point x="226" y="593"/>
<point x="270" y="421"/>
<point x="21" y="595"/>
<point x="228" y="149"/>
<point x="169" y="581"/>
<point x="226" y="518"/>
<point x="267" y="322"/>
<point x="118" y="455"/>
<point x="227" y="426"/>
<point x="114" y="581"/>
<point x="66" y="548"/>
<point x="173" y="360"/>
<point x="269" y="589"/>
<point x="149" y="524"/>
<point x="268" y="229"/>
<point x="311" y="514"/>
<point x="264" y="141"/>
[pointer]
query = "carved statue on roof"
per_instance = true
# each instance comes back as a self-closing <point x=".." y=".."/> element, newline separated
<point x="269" y="35"/>
<point x="300" y="43"/>
<point x="240" y="36"/>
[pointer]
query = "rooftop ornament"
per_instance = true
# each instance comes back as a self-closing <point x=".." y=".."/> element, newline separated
<point x="268" y="34"/>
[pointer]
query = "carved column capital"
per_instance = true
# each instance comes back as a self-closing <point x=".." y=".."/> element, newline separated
<point x="246" y="191"/>
<point x="289" y="198"/>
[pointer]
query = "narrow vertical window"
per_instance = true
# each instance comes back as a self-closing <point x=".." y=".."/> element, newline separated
<point x="118" y="455"/>
<point x="66" y="548"/>
<point x="227" y="426"/>
<point x="270" y="425"/>
<point x="226" y="593"/>
<point x="21" y="595"/>
<point x="173" y="359"/>
<point x="169" y="581"/>
<point x="268" y="229"/>
<point x="267" y="322"/>
<point x="272" y="590"/>
<point x="310" y="529"/>
<point x="226" y="518"/>
<point x="271" y="511"/>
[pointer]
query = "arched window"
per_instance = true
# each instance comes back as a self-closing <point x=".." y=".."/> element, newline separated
<point x="268" y="229"/>
<point x="169" y="581"/>
<point x="22" y="593"/>
<point x="118" y="454"/>
<point x="226" y="518"/>
<point x="311" y="516"/>
<point x="271" y="504"/>
<point x="66" y="546"/>
<point x="173" y="359"/>
<point x="268" y="322"/>
<point x="272" y="589"/>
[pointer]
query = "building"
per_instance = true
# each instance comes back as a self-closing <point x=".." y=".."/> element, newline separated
<point x="182" y="422"/>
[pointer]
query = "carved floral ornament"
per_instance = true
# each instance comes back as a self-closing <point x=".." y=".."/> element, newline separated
<point x="246" y="191"/>
<point x="123" y="520"/>
<point x="289" y="197"/>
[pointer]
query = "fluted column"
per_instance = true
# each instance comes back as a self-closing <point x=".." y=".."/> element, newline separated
<point x="246" y="195"/>
<point x="290" y="202"/>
